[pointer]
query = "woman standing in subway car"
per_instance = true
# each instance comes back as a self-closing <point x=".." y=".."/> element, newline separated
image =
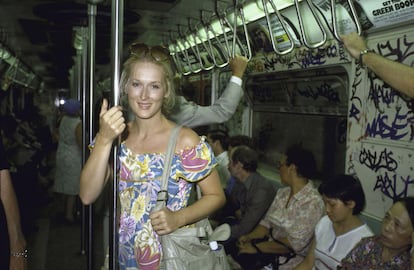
<point x="69" y="158"/>
<point x="147" y="80"/>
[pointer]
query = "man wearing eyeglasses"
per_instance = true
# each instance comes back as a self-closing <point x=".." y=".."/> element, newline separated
<point x="190" y="114"/>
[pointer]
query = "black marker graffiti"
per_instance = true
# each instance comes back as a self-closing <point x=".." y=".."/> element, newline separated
<point x="357" y="81"/>
<point x="271" y="60"/>
<point x="393" y="187"/>
<point x="399" y="52"/>
<point x="388" y="126"/>
<point x="354" y="112"/>
<point x="381" y="93"/>
<point x="375" y="162"/>
<point x="324" y="90"/>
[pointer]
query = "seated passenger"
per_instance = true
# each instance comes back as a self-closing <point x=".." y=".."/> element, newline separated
<point x="290" y="220"/>
<point x="391" y="249"/>
<point x="233" y="185"/>
<point x="218" y="140"/>
<point x="254" y="197"/>
<point x="341" y="228"/>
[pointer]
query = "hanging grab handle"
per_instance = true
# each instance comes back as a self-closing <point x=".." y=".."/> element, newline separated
<point x="184" y="50"/>
<point x="168" y="43"/>
<point x="222" y="54"/>
<point x="197" y="40"/>
<point x="282" y="23"/>
<point x="226" y="47"/>
<point x="334" y="19"/>
<point x="175" y="55"/>
<point x="238" y="11"/>
<point x="302" y="29"/>
<point x="176" y="52"/>
<point x="209" y="46"/>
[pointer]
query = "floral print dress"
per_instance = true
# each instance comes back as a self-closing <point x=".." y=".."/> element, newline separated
<point x="367" y="255"/>
<point x="139" y="183"/>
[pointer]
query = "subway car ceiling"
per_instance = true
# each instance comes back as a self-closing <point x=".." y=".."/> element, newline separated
<point x="41" y="40"/>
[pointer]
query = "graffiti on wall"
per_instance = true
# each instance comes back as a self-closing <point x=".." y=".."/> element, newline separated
<point x="390" y="114"/>
<point x="301" y="58"/>
<point x="393" y="183"/>
<point x="381" y="133"/>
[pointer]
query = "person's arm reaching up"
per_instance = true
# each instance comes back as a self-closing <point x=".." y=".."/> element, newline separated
<point x="190" y="114"/>
<point x="397" y="75"/>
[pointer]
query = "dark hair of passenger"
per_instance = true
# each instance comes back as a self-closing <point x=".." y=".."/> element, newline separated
<point x="303" y="159"/>
<point x="221" y="136"/>
<point x="345" y="188"/>
<point x="408" y="203"/>
<point x="246" y="156"/>
<point x="242" y="140"/>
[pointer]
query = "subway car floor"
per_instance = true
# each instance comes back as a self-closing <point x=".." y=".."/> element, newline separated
<point x="55" y="244"/>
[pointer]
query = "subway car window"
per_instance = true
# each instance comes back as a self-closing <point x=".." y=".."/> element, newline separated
<point x="302" y="107"/>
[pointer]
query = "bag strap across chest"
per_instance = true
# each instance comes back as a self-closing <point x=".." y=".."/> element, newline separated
<point x="163" y="193"/>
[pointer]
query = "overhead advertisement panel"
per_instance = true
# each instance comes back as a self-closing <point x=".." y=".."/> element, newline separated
<point x="372" y="14"/>
<point x="386" y="13"/>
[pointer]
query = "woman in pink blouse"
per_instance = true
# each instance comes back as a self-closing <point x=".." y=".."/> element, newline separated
<point x="290" y="220"/>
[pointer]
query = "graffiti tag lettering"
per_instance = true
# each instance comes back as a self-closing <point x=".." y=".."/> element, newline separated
<point x="375" y="162"/>
<point x="393" y="187"/>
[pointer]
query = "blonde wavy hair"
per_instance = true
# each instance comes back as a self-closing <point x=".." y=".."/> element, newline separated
<point x="140" y="52"/>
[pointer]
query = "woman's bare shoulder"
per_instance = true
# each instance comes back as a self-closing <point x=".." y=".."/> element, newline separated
<point x="187" y="138"/>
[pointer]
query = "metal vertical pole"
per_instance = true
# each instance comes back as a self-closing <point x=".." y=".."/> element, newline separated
<point x="85" y="137"/>
<point x="116" y="48"/>
<point x="78" y="76"/>
<point x="80" y="46"/>
<point x="92" y="12"/>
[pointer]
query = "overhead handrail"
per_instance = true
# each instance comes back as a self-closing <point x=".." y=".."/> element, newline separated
<point x="354" y="17"/>
<point x="238" y="11"/>
<point x="302" y="29"/>
<point x="198" y="40"/>
<point x="282" y="23"/>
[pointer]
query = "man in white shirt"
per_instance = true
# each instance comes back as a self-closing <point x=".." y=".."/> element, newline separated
<point x="218" y="139"/>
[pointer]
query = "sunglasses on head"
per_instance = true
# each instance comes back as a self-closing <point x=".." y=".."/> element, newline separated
<point x="158" y="53"/>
